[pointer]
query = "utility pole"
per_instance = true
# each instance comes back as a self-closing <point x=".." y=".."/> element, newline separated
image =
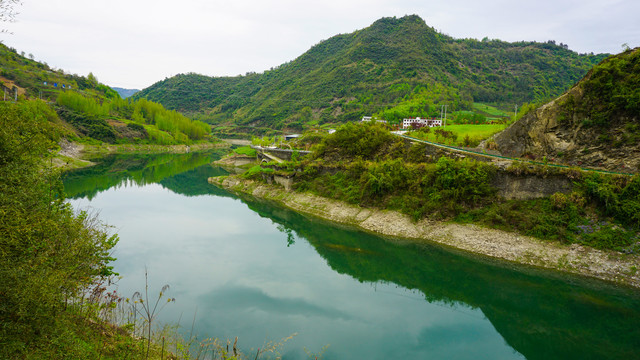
<point x="515" y="113"/>
<point x="16" y="94"/>
<point x="445" y="115"/>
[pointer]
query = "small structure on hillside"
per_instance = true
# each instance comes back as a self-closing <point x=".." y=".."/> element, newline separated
<point x="291" y="137"/>
<point x="369" y="118"/>
<point x="418" y="122"/>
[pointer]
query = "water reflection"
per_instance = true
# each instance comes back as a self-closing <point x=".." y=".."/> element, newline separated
<point x="257" y="271"/>
<point x="142" y="169"/>
<point x="540" y="314"/>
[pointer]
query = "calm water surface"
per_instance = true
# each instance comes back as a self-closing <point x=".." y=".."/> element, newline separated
<point x="250" y="269"/>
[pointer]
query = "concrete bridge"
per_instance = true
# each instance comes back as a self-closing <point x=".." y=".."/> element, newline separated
<point x="268" y="153"/>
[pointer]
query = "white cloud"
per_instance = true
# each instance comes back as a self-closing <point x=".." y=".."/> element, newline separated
<point x="134" y="43"/>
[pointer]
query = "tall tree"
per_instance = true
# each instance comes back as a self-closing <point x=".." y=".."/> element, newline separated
<point x="8" y="12"/>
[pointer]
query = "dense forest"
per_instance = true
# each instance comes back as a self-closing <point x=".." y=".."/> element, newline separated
<point x="397" y="67"/>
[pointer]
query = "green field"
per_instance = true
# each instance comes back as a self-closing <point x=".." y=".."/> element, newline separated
<point x="476" y="133"/>
<point x="490" y="110"/>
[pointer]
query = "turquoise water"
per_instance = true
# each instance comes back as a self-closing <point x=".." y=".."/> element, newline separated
<point x="246" y="268"/>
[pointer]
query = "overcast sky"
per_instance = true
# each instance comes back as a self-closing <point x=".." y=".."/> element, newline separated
<point x="135" y="43"/>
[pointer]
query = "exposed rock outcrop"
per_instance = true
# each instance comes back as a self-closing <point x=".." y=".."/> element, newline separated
<point x="588" y="126"/>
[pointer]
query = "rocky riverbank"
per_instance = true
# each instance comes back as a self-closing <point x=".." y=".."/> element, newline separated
<point x="605" y="265"/>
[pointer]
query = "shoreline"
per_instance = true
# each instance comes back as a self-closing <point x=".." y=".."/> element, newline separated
<point x="74" y="155"/>
<point x="496" y="244"/>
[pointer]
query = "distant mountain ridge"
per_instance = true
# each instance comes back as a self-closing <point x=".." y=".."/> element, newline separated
<point x="125" y="93"/>
<point x="376" y="68"/>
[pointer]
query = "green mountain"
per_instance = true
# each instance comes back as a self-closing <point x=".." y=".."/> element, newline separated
<point x="125" y="93"/>
<point x="35" y="79"/>
<point x="595" y="123"/>
<point x="392" y="63"/>
<point x="88" y="110"/>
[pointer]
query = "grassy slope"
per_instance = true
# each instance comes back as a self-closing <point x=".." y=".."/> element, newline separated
<point x="476" y="133"/>
<point x="93" y="111"/>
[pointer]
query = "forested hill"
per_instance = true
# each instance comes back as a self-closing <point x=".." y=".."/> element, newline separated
<point x="89" y="111"/>
<point x="394" y="60"/>
<point x="35" y="79"/>
<point x="596" y="123"/>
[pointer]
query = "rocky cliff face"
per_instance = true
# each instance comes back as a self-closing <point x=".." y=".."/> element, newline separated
<point x="594" y="124"/>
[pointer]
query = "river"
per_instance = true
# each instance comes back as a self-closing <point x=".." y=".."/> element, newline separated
<point x="250" y="269"/>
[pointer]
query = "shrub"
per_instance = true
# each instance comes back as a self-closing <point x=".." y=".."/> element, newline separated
<point x="49" y="254"/>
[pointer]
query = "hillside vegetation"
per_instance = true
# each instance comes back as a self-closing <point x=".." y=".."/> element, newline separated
<point x="368" y="166"/>
<point x="93" y="111"/>
<point x="395" y="68"/>
<point x="595" y="123"/>
<point x="49" y="254"/>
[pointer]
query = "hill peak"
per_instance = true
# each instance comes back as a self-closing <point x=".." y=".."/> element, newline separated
<point x="394" y="60"/>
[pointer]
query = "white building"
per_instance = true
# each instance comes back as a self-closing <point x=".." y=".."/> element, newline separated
<point x="369" y="118"/>
<point x="408" y="123"/>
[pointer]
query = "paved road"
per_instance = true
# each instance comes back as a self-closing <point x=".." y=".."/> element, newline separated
<point x="504" y="158"/>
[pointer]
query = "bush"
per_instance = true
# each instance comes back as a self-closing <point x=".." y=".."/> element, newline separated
<point x="49" y="254"/>
<point x="355" y="140"/>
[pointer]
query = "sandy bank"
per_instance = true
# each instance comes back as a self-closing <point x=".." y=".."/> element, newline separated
<point x="605" y="265"/>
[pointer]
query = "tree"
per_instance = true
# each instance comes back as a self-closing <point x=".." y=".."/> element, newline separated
<point x="49" y="254"/>
<point x="7" y="11"/>
<point x="93" y="81"/>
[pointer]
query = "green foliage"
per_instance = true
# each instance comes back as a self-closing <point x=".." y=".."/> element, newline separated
<point x="460" y="135"/>
<point x="256" y="171"/>
<point x="611" y="91"/>
<point x="264" y="141"/>
<point x="355" y="140"/>
<point x="245" y="150"/>
<point x="616" y="197"/>
<point x="96" y="110"/>
<point x="423" y="101"/>
<point x="49" y="254"/>
<point x="418" y="189"/>
<point x="93" y="126"/>
<point x="539" y="217"/>
<point x="82" y="104"/>
<point x="363" y="164"/>
<point x="153" y="120"/>
<point x="31" y="76"/>
<point x="395" y="68"/>
<point x="609" y="236"/>
<point x="489" y="110"/>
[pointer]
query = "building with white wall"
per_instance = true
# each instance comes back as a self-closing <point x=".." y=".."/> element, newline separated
<point x="408" y="123"/>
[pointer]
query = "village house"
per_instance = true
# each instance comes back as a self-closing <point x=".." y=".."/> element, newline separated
<point x="408" y="123"/>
